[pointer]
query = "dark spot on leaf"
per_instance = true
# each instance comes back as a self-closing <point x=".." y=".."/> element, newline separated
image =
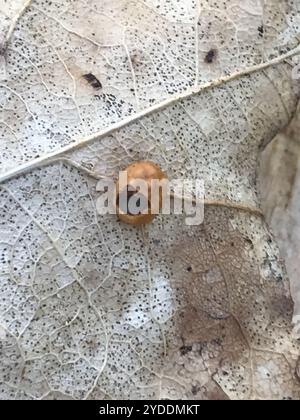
<point x="261" y="31"/>
<point x="210" y="56"/>
<point x="92" y="80"/>
<point x="185" y="349"/>
<point x="249" y="241"/>
<point x="195" y="389"/>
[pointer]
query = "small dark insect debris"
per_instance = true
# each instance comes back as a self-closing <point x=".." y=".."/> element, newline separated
<point x="185" y="349"/>
<point x="92" y="80"/>
<point x="189" y="269"/>
<point x="195" y="389"/>
<point x="210" y="56"/>
<point x="261" y="30"/>
<point x="249" y="241"/>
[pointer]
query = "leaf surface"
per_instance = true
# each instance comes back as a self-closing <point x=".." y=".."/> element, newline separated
<point x="90" y="307"/>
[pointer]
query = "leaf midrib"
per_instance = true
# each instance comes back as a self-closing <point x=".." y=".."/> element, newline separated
<point x="194" y="90"/>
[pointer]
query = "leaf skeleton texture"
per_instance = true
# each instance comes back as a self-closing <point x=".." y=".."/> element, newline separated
<point x="280" y="190"/>
<point x="89" y="307"/>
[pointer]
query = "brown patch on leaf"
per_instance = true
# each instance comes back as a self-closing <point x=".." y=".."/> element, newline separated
<point x="230" y="320"/>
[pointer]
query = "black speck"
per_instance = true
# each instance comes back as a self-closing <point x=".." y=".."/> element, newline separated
<point x="261" y="30"/>
<point x="210" y="56"/>
<point x="248" y="240"/>
<point x="185" y="349"/>
<point x="195" y="389"/>
<point x="92" y="80"/>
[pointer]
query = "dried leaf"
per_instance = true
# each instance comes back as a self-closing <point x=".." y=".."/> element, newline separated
<point x="92" y="308"/>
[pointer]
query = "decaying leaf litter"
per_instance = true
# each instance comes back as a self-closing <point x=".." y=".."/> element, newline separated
<point x="92" y="308"/>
